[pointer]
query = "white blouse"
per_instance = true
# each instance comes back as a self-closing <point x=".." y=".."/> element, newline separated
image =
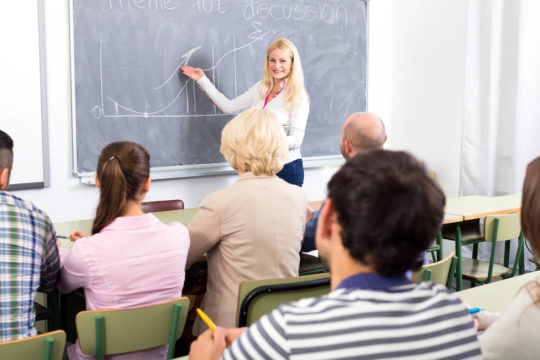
<point x="293" y="120"/>
<point x="515" y="334"/>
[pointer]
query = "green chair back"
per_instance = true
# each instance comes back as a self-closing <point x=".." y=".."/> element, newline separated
<point x="508" y="228"/>
<point x="108" y="332"/>
<point x="497" y="228"/>
<point x="259" y="297"/>
<point x="441" y="272"/>
<point x="48" y="346"/>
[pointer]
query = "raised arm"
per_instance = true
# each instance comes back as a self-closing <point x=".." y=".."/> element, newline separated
<point x="228" y="106"/>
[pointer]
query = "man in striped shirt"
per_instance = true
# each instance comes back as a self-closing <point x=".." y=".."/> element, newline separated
<point x="382" y="211"/>
<point x="28" y="255"/>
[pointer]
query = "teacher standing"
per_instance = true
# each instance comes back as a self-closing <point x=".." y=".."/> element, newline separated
<point x="281" y="91"/>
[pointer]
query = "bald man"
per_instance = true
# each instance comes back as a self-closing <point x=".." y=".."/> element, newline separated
<point x="361" y="132"/>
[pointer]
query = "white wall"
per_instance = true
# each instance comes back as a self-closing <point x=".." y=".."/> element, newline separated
<point x="429" y="38"/>
<point x="415" y="84"/>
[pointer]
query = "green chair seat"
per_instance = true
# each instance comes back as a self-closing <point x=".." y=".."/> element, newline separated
<point x="497" y="228"/>
<point x="477" y="269"/>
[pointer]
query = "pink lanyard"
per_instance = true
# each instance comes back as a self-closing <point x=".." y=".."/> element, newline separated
<point x="276" y="94"/>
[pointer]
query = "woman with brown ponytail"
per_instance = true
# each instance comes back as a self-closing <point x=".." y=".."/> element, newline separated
<point x="132" y="259"/>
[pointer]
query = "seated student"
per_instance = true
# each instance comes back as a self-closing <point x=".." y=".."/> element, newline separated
<point x="515" y="334"/>
<point x="28" y="255"/>
<point x="132" y="259"/>
<point x="361" y="132"/>
<point x="382" y="211"/>
<point x="252" y="229"/>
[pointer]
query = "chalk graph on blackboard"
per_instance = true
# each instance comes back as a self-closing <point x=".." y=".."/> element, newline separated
<point x="189" y="87"/>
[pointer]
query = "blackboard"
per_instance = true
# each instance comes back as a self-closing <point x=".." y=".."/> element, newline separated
<point x="126" y="82"/>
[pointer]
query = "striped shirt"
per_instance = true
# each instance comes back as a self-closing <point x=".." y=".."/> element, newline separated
<point x="28" y="260"/>
<point x="376" y="318"/>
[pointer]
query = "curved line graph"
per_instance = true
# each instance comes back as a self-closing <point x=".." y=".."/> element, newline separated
<point x="99" y="111"/>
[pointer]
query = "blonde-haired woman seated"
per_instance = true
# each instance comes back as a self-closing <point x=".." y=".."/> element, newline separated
<point x="252" y="229"/>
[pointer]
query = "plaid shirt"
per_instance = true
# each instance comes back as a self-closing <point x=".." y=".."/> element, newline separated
<point x="28" y="260"/>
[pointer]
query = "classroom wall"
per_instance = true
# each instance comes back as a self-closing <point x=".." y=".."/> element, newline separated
<point x="416" y="86"/>
<point x="428" y="69"/>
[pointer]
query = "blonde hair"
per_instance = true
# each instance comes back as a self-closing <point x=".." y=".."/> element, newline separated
<point x="254" y="141"/>
<point x="294" y="87"/>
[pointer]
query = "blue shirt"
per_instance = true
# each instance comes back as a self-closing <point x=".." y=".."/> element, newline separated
<point x="373" y="281"/>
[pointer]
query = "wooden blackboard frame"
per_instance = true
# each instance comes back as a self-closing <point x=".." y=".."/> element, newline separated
<point x="195" y="170"/>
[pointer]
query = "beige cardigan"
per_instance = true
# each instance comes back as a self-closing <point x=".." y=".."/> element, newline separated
<point x="250" y="230"/>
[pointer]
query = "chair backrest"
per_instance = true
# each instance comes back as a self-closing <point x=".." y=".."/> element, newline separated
<point x="259" y="297"/>
<point x="441" y="272"/>
<point x="126" y="330"/>
<point x="48" y="346"/>
<point x="163" y="205"/>
<point x="502" y="227"/>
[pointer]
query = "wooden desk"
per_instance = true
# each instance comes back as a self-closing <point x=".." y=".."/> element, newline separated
<point x="451" y="218"/>
<point x="477" y="207"/>
<point x="65" y="228"/>
<point x="315" y="205"/>
<point x="496" y="295"/>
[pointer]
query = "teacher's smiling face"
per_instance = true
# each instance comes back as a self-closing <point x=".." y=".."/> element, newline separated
<point x="279" y="63"/>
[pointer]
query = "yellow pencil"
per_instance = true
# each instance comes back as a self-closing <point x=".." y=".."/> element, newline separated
<point x="206" y="319"/>
<point x="209" y="322"/>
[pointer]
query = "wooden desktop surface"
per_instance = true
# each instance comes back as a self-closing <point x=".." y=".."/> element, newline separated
<point x="496" y="295"/>
<point x="476" y="207"/>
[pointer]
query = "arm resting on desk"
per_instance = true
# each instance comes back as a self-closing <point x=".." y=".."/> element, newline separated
<point x="74" y="269"/>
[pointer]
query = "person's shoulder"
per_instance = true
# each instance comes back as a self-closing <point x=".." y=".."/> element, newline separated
<point x="178" y="229"/>
<point x="218" y="196"/>
<point x="294" y="190"/>
<point x="23" y="205"/>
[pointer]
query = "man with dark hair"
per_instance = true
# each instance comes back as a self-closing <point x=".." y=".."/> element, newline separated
<point x="382" y="211"/>
<point x="28" y="255"/>
<point x="361" y="132"/>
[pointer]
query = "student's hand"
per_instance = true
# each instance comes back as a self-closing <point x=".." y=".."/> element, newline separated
<point x="77" y="235"/>
<point x="484" y="319"/>
<point x="191" y="72"/>
<point x="209" y="345"/>
<point x="234" y="333"/>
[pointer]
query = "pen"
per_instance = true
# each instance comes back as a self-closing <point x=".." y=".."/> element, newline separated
<point x="62" y="237"/>
<point x="206" y="319"/>
<point x="474" y="310"/>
